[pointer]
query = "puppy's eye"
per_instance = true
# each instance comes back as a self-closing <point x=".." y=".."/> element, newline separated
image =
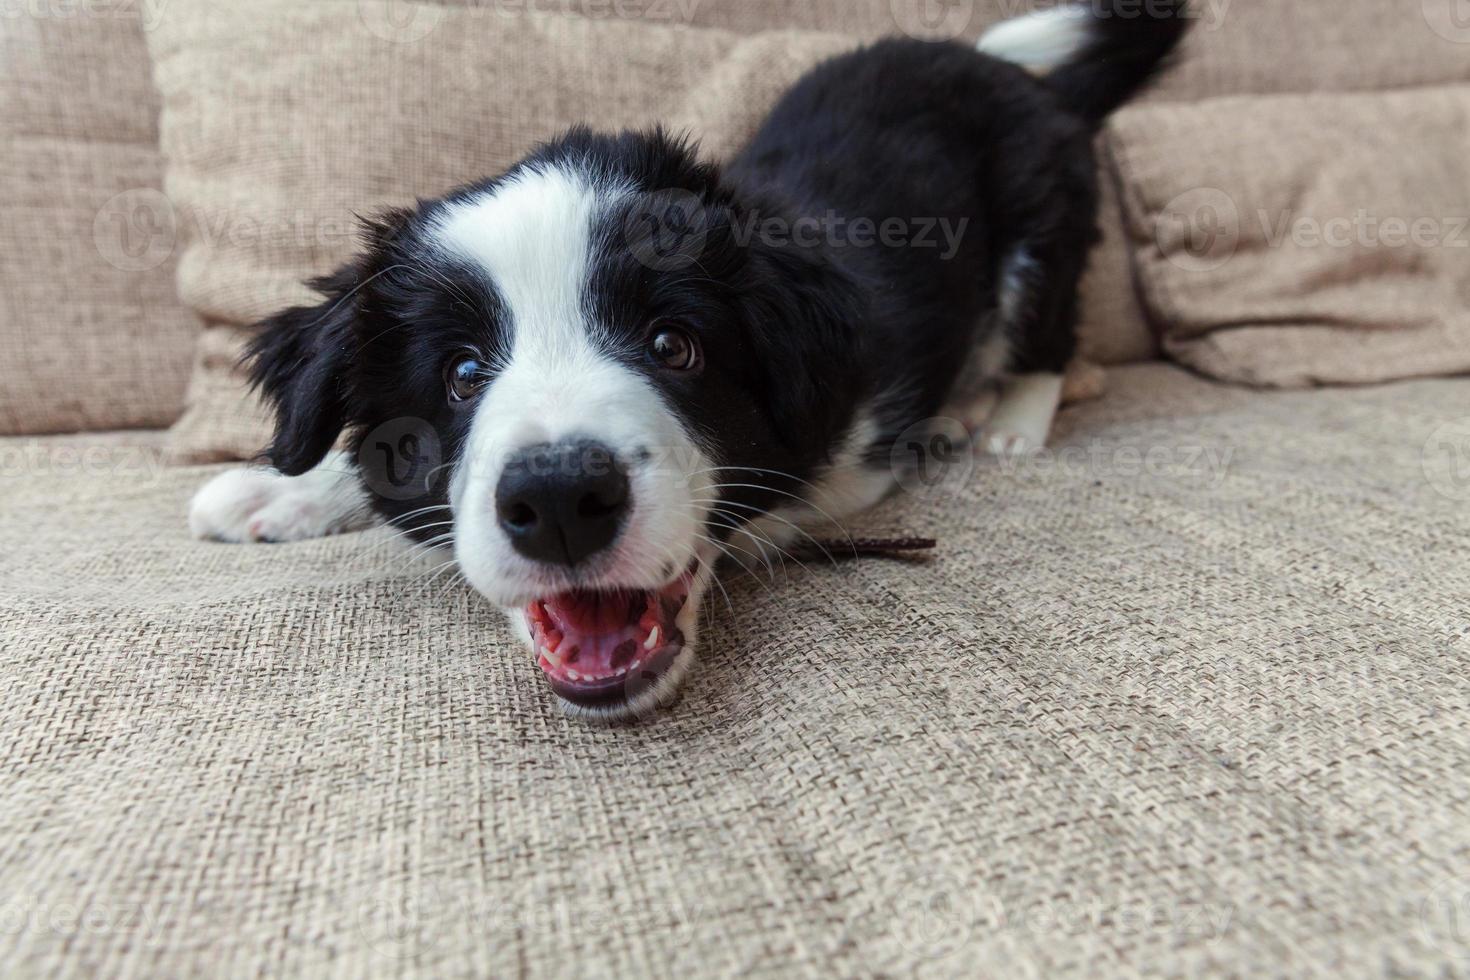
<point x="464" y="376"/>
<point x="674" y="348"/>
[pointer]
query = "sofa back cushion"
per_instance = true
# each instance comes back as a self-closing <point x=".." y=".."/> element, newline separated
<point x="1304" y="239"/>
<point x="92" y="335"/>
<point x="276" y="140"/>
<point x="277" y="143"/>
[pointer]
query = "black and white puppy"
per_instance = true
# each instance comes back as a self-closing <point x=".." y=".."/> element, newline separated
<point x="620" y="364"/>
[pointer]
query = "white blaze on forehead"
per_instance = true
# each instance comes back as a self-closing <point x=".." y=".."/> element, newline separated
<point x="533" y="237"/>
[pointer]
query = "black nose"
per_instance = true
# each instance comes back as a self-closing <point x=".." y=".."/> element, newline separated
<point x="562" y="503"/>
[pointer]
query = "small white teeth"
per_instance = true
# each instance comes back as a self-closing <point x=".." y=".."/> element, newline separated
<point x="652" y="640"/>
<point x="574" y="675"/>
<point x="552" y="658"/>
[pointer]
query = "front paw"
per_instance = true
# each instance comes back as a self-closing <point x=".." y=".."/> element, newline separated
<point x="254" y="504"/>
<point x="1006" y="444"/>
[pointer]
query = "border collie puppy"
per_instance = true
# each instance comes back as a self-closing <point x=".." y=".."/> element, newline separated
<point x="615" y="364"/>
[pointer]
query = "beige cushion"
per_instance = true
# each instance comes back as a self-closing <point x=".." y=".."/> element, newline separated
<point x="1293" y="240"/>
<point x="1268" y="46"/>
<point x="297" y="135"/>
<point x="1147" y="712"/>
<point x="1236" y="47"/>
<point x="285" y="139"/>
<point x="91" y="332"/>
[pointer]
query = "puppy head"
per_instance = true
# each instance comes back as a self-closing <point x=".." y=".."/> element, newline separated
<point x="602" y="380"/>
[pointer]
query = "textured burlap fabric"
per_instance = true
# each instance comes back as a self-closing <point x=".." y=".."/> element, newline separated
<point x="92" y="334"/>
<point x="1193" y="700"/>
<point x="1302" y="239"/>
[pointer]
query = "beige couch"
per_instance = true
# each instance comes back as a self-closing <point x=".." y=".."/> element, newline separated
<point x="1185" y="695"/>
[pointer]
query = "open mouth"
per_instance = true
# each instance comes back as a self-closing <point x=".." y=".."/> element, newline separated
<point x="604" y="648"/>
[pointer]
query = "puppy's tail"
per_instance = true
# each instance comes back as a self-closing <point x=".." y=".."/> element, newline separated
<point x="1095" y="55"/>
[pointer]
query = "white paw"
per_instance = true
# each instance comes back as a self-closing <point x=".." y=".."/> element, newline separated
<point x="1022" y="417"/>
<point x="1007" y="443"/>
<point x="254" y="504"/>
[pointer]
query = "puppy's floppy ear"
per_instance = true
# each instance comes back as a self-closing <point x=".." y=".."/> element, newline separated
<point x="302" y="358"/>
<point x="299" y="362"/>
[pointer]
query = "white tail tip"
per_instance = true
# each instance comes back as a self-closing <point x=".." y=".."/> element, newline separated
<point x="1042" y="41"/>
